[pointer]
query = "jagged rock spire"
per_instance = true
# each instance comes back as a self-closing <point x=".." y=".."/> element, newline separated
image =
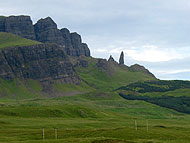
<point x="121" y="59"/>
<point x="111" y="59"/>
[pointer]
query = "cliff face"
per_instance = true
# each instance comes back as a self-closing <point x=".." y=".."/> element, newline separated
<point x="40" y="62"/>
<point x="46" y="31"/>
<point x="19" y="25"/>
<point x="78" y="48"/>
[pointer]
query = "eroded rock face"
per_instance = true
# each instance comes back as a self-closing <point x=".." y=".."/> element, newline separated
<point x="79" y="48"/>
<point x="111" y="59"/>
<point x="107" y="66"/>
<point x="85" y="49"/>
<point x="39" y="62"/>
<point x="82" y="63"/>
<point x="103" y="64"/>
<point x="5" y="69"/>
<point x="67" y="37"/>
<point x="19" y="25"/>
<point x="2" y="23"/>
<point x="46" y="31"/>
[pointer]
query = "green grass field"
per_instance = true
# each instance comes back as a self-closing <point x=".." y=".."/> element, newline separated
<point x="11" y="40"/>
<point x="94" y="113"/>
<point x="81" y="118"/>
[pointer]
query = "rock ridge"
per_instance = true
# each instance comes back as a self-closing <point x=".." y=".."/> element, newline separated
<point x="46" y="31"/>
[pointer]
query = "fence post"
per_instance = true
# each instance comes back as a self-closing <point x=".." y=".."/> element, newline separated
<point x="55" y="133"/>
<point x="135" y="125"/>
<point x="43" y="134"/>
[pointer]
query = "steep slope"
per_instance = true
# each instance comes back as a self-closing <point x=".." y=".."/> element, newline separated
<point x="39" y="62"/>
<point x="11" y="40"/>
<point x="140" y="68"/>
<point x="108" y="75"/>
<point x="29" y="67"/>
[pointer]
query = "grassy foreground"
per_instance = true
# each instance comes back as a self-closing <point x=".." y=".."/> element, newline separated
<point x="82" y="119"/>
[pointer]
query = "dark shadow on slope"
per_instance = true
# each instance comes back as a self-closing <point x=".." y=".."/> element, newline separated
<point x="180" y="104"/>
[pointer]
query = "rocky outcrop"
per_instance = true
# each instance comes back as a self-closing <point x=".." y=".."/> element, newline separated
<point x="136" y="68"/>
<point x="46" y="31"/>
<point x="19" y="25"/>
<point x="79" y="48"/>
<point x="2" y="23"/>
<point x="121" y="59"/>
<point x="67" y="40"/>
<point x="43" y="62"/>
<point x="111" y="59"/>
<point x="102" y="63"/>
<point x="82" y="63"/>
<point x="107" y="66"/>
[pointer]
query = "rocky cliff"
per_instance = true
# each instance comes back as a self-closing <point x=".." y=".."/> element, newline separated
<point x="46" y="31"/>
<point x="19" y="25"/>
<point x="43" y="62"/>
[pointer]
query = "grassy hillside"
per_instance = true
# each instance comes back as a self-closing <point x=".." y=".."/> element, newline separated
<point x="28" y="89"/>
<point x="111" y="78"/>
<point x="88" y="113"/>
<point x="94" y="78"/>
<point x="169" y="94"/>
<point x="11" y="40"/>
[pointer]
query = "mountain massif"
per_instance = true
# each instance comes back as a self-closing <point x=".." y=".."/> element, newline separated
<point x="58" y="55"/>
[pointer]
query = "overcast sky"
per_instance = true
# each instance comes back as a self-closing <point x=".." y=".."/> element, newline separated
<point x="153" y="33"/>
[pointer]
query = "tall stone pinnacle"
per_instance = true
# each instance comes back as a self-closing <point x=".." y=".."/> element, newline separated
<point x="121" y="59"/>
